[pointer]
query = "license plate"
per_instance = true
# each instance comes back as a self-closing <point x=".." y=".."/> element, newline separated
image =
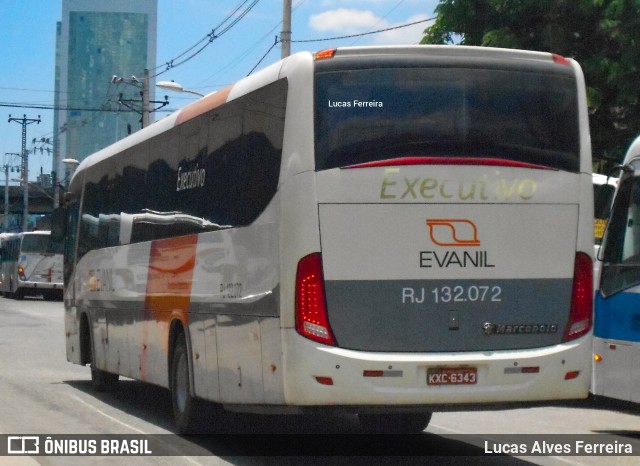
<point x="452" y="375"/>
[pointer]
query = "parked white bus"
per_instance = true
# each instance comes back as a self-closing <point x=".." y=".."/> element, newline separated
<point x="617" y="315"/>
<point x="31" y="265"/>
<point x="385" y="231"/>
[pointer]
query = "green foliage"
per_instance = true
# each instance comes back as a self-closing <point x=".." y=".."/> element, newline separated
<point x="602" y="35"/>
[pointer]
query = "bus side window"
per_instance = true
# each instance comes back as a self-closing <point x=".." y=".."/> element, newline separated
<point x="631" y="245"/>
<point x="623" y="241"/>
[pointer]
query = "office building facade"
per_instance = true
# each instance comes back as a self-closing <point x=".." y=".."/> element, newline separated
<point x="96" y="41"/>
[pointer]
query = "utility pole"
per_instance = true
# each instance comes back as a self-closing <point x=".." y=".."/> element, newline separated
<point x="6" y="190"/>
<point x="55" y="174"/>
<point x="24" y="121"/>
<point x="6" y="198"/>
<point x="144" y="95"/>
<point x="145" y="98"/>
<point x="285" y="35"/>
<point x="45" y="180"/>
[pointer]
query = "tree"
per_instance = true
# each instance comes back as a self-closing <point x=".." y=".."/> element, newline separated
<point x="602" y="35"/>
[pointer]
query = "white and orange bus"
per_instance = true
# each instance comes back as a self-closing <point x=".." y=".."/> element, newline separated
<point x="386" y="231"/>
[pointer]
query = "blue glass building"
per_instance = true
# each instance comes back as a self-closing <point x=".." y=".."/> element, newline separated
<point x="96" y="41"/>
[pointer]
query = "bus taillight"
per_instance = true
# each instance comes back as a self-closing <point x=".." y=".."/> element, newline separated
<point x="581" y="298"/>
<point x="559" y="59"/>
<point x="311" y="309"/>
<point x="21" y="274"/>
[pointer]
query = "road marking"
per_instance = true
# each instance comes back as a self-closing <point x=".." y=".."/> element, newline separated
<point x="118" y="421"/>
<point x="563" y="459"/>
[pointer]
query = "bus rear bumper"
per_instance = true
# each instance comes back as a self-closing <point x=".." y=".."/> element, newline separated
<point x="319" y="375"/>
<point x="40" y="285"/>
<point x="47" y="289"/>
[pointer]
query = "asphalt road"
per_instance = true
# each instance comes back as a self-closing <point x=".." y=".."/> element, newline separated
<point x="42" y="394"/>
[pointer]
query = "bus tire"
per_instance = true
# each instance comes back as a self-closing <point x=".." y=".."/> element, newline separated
<point x="185" y="409"/>
<point x="101" y="381"/>
<point x="9" y="293"/>
<point x="397" y="423"/>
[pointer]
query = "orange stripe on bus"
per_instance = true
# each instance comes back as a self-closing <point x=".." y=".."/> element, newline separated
<point x="171" y="262"/>
<point x="203" y="105"/>
<point x="168" y="294"/>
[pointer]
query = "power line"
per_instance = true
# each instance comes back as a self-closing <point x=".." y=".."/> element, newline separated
<point x="251" y="48"/>
<point x="54" y="107"/>
<point x="366" y="33"/>
<point x="400" y="2"/>
<point x="209" y="38"/>
<point x="246" y="11"/>
<point x="342" y="37"/>
<point x="275" y="42"/>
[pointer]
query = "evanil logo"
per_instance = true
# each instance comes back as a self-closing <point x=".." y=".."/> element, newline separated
<point x="454" y="233"/>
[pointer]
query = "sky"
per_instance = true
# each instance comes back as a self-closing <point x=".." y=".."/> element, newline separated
<point x="27" y="48"/>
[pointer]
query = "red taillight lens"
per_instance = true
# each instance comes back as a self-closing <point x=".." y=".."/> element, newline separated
<point x="311" y="309"/>
<point x="580" y="316"/>
<point x="21" y="274"/>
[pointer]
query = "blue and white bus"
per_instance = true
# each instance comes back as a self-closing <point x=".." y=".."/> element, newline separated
<point x="617" y="305"/>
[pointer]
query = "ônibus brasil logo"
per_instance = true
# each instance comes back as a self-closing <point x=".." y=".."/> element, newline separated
<point x="454" y="233"/>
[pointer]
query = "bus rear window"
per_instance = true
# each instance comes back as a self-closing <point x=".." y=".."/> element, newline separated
<point x="366" y="115"/>
<point x="35" y="243"/>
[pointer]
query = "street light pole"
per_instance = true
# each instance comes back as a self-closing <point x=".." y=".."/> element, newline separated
<point x="24" y="121"/>
<point x="174" y="86"/>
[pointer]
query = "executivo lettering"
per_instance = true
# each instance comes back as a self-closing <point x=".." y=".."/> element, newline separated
<point x="485" y="188"/>
<point x="190" y="179"/>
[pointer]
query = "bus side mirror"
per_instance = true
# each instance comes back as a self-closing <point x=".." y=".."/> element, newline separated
<point x="58" y="224"/>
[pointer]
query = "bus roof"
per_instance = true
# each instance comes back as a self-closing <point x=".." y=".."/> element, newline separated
<point x="446" y="50"/>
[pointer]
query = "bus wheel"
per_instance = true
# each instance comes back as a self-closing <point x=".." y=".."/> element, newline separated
<point x="403" y="423"/>
<point x="101" y="381"/>
<point x="184" y="404"/>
